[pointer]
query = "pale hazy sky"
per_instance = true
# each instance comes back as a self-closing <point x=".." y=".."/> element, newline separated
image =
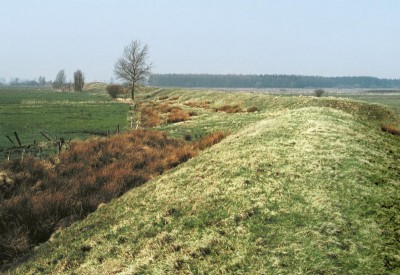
<point x="305" y="37"/>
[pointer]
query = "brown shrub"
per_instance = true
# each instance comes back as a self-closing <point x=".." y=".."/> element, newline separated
<point x="14" y="242"/>
<point x="391" y="129"/>
<point x="166" y="108"/>
<point x="174" y="98"/>
<point x="177" y="115"/>
<point x="149" y="117"/>
<point x="48" y="195"/>
<point x="198" y="104"/>
<point x="115" y="90"/>
<point x="163" y="97"/>
<point x="252" y="109"/>
<point x="209" y="140"/>
<point x="231" y="109"/>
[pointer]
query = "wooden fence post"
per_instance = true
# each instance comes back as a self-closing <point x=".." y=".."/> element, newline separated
<point x="16" y="136"/>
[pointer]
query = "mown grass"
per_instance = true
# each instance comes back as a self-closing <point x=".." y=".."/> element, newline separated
<point x="303" y="185"/>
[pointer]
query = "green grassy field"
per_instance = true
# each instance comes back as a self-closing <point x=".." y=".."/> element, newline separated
<point x="80" y="115"/>
<point x="58" y="114"/>
<point x="392" y="101"/>
<point x="303" y="186"/>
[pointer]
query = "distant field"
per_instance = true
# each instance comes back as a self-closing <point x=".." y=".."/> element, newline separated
<point x="392" y="100"/>
<point x="58" y="114"/>
<point x="388" y="98"/>
<point x="80" y="115"/>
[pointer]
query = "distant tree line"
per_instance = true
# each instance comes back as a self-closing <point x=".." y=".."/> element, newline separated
<point x="60" y="82"/>
<point x="40" y="81"/>
<point x="269" y="81"/>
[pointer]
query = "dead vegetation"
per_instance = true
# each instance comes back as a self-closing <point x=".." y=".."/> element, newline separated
<point x="389" y="128"/>
<point x="252" y="109"/>
<point x="230" y="109"/>
<point x="149" y="117"/>
<point x="198" y="104"/>
<point x="40" y="196"/>
<point x="166" y="108"/>
<point x="154" y="113"/>
<point x="177" y="115"/>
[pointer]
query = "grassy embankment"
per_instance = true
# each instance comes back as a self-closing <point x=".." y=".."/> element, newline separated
<point x="304" y="185"/>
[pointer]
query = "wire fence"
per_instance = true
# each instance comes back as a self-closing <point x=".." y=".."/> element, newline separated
<point x="42" y="149"/>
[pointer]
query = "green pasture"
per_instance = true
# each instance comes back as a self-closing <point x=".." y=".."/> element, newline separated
<point x="391" y="100"/>
<point x="58" y="114"/>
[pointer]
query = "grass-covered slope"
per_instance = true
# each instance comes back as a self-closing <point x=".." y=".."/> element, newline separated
<point x="296" y="188"/>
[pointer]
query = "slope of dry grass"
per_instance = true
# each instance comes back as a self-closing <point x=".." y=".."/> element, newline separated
<point x="45" y="195"/>
<point x="300" y="190"/>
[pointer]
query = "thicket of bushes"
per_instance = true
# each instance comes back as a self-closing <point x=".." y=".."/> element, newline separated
<point x="46" y="195"/>
<point x="149" y="117"/>
<point x="177" y="115"/>
<point x="152" y="113"/>
<point x="115" y="90"/>
<point x="155" y="113"/>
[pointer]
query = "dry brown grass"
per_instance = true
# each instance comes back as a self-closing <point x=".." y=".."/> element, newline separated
<point x="230" y="109"/>
<point x="47" y="195"/>
<point x="210" y="140"/>
<point x="149" y="117"/>
<point x="391" y="129"/>
<point x="252" y="109"/>
<point x="177" y="115"/>
<point x="198" y="104"/>
<point x="166" y="108"/>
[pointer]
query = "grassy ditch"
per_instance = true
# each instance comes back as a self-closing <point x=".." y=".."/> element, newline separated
<point x="39" y="196"/>
<point x="309" y="190"/>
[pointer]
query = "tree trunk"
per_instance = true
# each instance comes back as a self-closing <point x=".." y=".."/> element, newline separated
<point x="133" y="91"/>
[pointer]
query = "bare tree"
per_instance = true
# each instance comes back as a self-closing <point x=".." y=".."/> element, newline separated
<point x="319" y="92"/>
<point x="42" y="80"/>
<point x="132" y="66"/>
<point x="79" y="81"/>
<point x="59" y="82"/>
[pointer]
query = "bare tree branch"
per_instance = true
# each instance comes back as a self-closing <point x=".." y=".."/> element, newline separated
<point x="132" y="66"/>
